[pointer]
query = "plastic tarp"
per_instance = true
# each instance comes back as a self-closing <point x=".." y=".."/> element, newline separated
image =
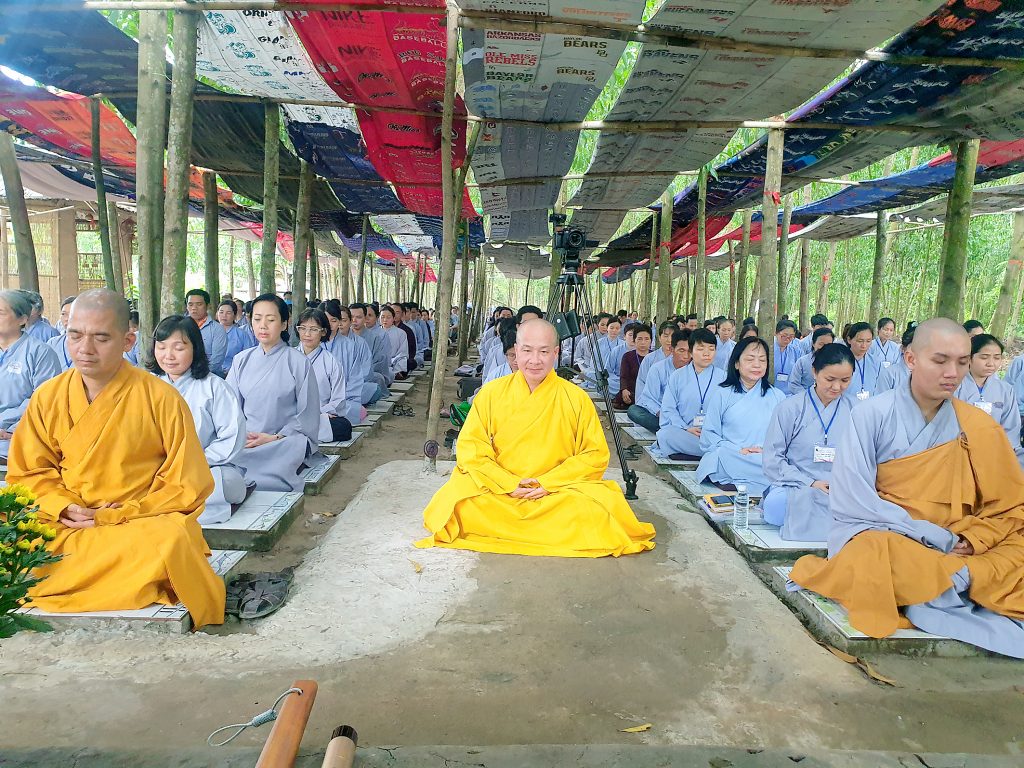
<point x="519" y="262"/>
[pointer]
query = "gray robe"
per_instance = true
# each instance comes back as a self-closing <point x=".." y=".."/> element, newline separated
<point x="381" y="367"/>
<point x="26" y="364"/>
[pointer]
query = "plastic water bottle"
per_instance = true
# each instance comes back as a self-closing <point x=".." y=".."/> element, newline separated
<point x="740" y="507"/>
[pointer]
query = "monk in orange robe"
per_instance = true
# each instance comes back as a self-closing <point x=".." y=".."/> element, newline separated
<point x="112" y="455"/>
<point x="927" y="500"/>
<point x="531" y="462"/>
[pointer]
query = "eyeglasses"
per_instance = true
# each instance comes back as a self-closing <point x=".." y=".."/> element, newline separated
<point x="309" y="329"/>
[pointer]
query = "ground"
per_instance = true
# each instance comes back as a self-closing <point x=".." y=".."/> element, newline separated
<point x="437" y="647"/>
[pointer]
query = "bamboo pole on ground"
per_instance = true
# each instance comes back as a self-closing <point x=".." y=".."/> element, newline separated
<point x="878" y="269"/>
<point x="303" y="237"/>
<point x="781" y="299"/>
<point x="24" y="246"/>
<point x="1010" y="277"/>
<point x="271" y="171"/>
<point x="742" y="308"/>
<point x="664" y="303"/>
<point x="179" y="149"/>
<point x="805" y="276"/>
<point x="211" y="236"/>
<point x="451" y="201"/>
<point x="950" y="299"/>
<point x="767" y="311"/>
<point x="701" y="276"/>
<point x="314" y="271"/>
<point x="464" y="327"/>
<point x="101" y="196"/>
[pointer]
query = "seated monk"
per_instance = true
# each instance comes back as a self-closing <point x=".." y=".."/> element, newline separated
<point x="927" y="502"/>
<point x="531" y="458"/>
<point x="112" y="455"/>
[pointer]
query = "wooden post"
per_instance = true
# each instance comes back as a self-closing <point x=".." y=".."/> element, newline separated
<point x="1015" y="315"/>
<point x="645" y="296"/>
<point x="701" y="275"/>
<point x="781" y="281"/>
<point x="360" y="291"/>
<point x="211" y="237"/>
<point x="314" y="271"/>
<point x="114" y="229"/>
<point x="664" y="305"/>
<point x="950" y="299"/>
<point x="878" y="270"/>
<point x="464" y="324"/>
<point x="150" y="136"/>
<point x="271" y="172"/>
<point x="767" y="267"/>
<point x="24" y="246"/>
<point x="373" y="280"/>
<point x="805" y="270"/>
<point x="731" y="308"/>
<point x="231" y="266"/>
<point x="826" y="275"/>
<point x="1010" y="278"/>
<point x="101" y="196"/>
<point x="250" y="270"/>
<point x="742" y="308"/>
<point x="345" y="277"/>
<point x="282" y="746"/>
<point x="5" y="265"/>
<point x="179" y="149"/>
<point x="302" y="237"/>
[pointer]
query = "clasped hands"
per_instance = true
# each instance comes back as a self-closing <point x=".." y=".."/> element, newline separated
<point x="529" y="489"/>
<point x="77" y="516"/>
<point x="256" y="439"/>
<point x="962" y="547"/>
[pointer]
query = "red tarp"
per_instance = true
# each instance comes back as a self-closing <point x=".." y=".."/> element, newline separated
<point x="408" y="261"/>
<point x="391" y="60"/>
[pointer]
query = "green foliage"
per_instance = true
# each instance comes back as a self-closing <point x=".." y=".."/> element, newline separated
<point x="23" y="540"/>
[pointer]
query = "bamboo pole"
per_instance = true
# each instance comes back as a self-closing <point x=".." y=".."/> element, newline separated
<point x="250" y="270"/>
<point x="451" y="201"/>
<point x="5" y="264"/>
<point x="101" y="195"/>
<point x="949" y="302"/>
<point x="742" y="308"/>
<point x="303" y="237"/>
<point x="231" y="265"/>
<point x="767" y="311"/>
<point x="1011" y="277"/>
<point x="731" y="303"/>
<point x="314" y="271"/>
<point x="271" y="171"/>
<point x="645" y="296"/>
<point x="179" y="149"/>
<point x="114" y="229"/>
<point x="211" y="237"/>
<point x="782" y="299"/>
<point x="282" y="746"/>
<point x="360" y="290"/>
<point x="878" y="269"/>
<point x="463" y="326"/>
<point x="24" y="246"/>
<point x="805" y="277"/>
<point x="664" y="304"/>
<point x="701" y="276"/>
<point x="346" y="276"/>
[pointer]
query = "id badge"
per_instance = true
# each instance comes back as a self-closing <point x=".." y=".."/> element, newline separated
<point x="698" y="420"/>
<point x="782" y="377"/>
<point x="986" y="407"/>
<point x="15" y="367"/>
<point x="886" y="364"/>
<point x="824" y="454"/>
<point x="863" y="395"/>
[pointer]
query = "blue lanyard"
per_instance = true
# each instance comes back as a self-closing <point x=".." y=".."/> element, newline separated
<point x="704" y="394"/>
<point x="885" y="354"/>
<point x="784" y="355"/>
<point x="814" y="404"/>
<point x="981" y="389"/>
<point x="860" y="368"/>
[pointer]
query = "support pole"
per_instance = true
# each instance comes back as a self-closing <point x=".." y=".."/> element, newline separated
<point x="781" y="299"/>
<point x="114" y="228"/>
<point x="1010" y="277"/>
<point x="702" y="243"/>
<point x="742" y="308"/>
<point x="664" y="305"/>
<point x="731" y="303"/>
<point x="211" y="236"/>
<point x="464" y="324"/>
<point x="805" y="276"/>
<point x="179" y="149"/>
<point x="314" y="270"/>
<point x="360" y="291"/>
<point x="271" y="171"/>
<point x="345" y="276"/>
<point x="24" y="246"/>
<point x="878" y="270"/>
<point x="950" y="299"/>
<point x="302" y="237"/>
<point x="452" y="199"/>
<point x="768" y="264"/>
<point x="250" y="270"/>
<point x="5" y="264"/>
<point x="649" y="275"/>
<point x="101" y="196"/>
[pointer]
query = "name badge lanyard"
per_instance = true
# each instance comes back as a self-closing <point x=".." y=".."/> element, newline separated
<point x="703" y="395"/>
<point x="861" y="368"/>
<point x="782" y="362"/>
<point x="885" y="354"/>
<point x="817" y="412"/>
<point x="981" y="389"/>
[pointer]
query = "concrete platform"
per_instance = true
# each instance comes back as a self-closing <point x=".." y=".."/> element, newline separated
<point x="369" y="425"/>
<point x="829" y="623"/>
<point x="685" y="481"/>
<point x="760" y="542"/>
<point x="622" y="419"/>
<point x="346" y="449"/>
<point x="173" y="619"/>
<point x="382" y="407"/>
<point x="317" y="477"/>
<point x="664" y="464"/>
<point x="402" y="386"/>
<point x="258" y="524"/>
<point x="639" y="435"/>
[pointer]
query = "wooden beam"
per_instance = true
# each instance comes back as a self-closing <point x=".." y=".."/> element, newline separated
<point x="24" y="246"/>
<point x="664" y="304"/>
<point x="768" y="264"/>
<point x="949" y="302"/>
<point x="211" y="237"/>
<point x="271" y="171"/>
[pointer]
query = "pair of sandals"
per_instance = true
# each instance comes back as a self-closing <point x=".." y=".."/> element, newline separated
<point x="403" y="410"/>
<point x="633" y="452"/>
<point x="255" y="595"/>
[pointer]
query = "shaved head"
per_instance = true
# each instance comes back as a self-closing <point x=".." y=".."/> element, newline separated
<point x="938" y="359"/>
<point x="939" y="330"/>
<point x="104" y="300"/>
<point x="535" y="330"/>
<point x="536" y="350"/>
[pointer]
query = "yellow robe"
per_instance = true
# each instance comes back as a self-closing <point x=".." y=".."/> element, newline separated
<point x="973" y="487"/>
<point x="553" y="435"/>
<point x="135" y="444"/>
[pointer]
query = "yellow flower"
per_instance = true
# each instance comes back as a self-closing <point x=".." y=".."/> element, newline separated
<point x="48" y="533"/>
<point x="31" y="516"/>
<point x="22" y="500"/>
<point x="24" y="545"/>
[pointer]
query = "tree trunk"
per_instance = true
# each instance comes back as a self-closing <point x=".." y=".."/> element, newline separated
<point x="231" y="266"/>
<point x="271" y="173"/>
<point x="303" y="237"/>
<point x="701" y="276"/>
<point x="950" y="300"/>
<point x="878" y="271"/>
<point x="101" y="196"/>
<point x="742" y="308"/>
<point x="767" y="312"/>
<point x="464" y="325"/>
<point x="1015" y="315"/>
<point x="731" y="309"/>
<point x="179" y="149"/>
<point x="1010" y="277"/>
<point x="250" y="270"/>
<point x="114" y="228"/>
<point x="805" y="275"/>
<point x="664" y="306"/>
<point x="781" y="298"/>
<point x="314" y="270"/>
<point x="24" y="246"/>
<point x="211" y="236"/>
<point x="826" y="275"/>
<point x="645" y="296"/>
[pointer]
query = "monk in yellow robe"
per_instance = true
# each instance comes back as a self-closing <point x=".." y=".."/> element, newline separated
<point x="531" y="461"/>
<point x="927" y="501"/>
<point x="112" y="455"/>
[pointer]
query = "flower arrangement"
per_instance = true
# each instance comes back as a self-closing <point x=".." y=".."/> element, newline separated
<point x="23" y="541"/>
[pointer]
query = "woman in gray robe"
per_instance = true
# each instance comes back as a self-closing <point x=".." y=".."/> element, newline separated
<point x="313" y="328"/>
<point x="800" y="448"/>
<point x="280" y="399"/>
<point x="983" y="389"/>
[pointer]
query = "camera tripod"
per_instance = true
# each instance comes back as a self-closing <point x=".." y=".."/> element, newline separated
<point x="568" y="299"/>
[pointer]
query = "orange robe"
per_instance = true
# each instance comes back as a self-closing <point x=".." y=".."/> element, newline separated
<point x="554" y="436"/>
<point x="972" y="487"/>
<point x="136" y="445"/>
